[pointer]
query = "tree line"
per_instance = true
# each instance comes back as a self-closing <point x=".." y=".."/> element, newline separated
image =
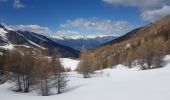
<point x="147" y="52"/>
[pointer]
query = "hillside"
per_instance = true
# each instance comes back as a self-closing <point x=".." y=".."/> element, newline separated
<point x="34" y="40"/>
<point x="161" y="27"/>
<point x="142" y="44"/>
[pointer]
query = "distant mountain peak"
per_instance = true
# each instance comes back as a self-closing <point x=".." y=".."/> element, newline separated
<point x="76" y="37"/>
<point x="78" y="42"/>
<point x="6" y="27"/>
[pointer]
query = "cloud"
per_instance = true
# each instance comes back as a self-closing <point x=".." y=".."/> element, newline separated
<point x="66" y="33"/>
<point x="32" y="28"/>
<point x="153" y="15"/>
<point x="151" y="10"/>
<point x="81" y="27"/>
<point x="18" y="4"/>
<point x="143" y="4"/>
<point x="97" y="26"/>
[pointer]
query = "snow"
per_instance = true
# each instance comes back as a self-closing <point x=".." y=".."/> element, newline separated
<point x="119" y="83"/>
<point x="127" y="46"/>
<point x="76" y="37"/>
<point x="22" y="46"/>
<point x="7" y="26"/>
<point x="35" y="44"/>
<point x="33" y="34"/>
<point x="69" y="63"/>
<point x="1" y="53"/>
<point x="2" y="33"/>
<point x="7" y="47"/>
<point x="31" y="41"/>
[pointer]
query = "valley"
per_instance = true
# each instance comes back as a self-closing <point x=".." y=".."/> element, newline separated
<point x="85" y="49"/>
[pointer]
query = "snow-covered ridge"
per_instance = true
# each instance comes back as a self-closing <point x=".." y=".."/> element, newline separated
<point x="10" y="46"/>
<point x="7" y="47"/>
<point x="61" y="36"/>
<point x="3" y="35"/>
<point x="76" y="37"/>
<point x="2" y="32"/>
<point x="35" y="44"/>
<point x="6" y="26"/>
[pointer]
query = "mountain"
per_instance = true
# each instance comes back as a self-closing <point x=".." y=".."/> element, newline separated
<point x="3" y="38"/>
<point x="79" y="42"/>
<point x="146" y="45"/>
<point x="159" y="28"/>
<point x="10" y="37"/>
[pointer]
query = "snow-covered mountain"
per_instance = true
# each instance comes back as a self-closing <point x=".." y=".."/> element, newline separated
<point x="10" y="37"/>
<point x="74" y="41"/>
<point x="3" y="38"/>
<point x="78" y="42"/>
<point x="76" y="37"/>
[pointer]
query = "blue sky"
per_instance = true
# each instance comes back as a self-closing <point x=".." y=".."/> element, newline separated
<point x="84" y="17"/>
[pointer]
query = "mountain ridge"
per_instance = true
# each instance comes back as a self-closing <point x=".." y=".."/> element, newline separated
<point x="155" y="28"/>
<point x="35" y="40"/>
<point x="84" y="42"/>
<point x="149" y="42"/>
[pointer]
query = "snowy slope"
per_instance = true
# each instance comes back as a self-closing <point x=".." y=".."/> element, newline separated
<point x="2" y="35"/>
<point x="2" y="32"/>
<point x="8" y="47"/>
<point x="6" y="26"/>
<point x="69" y="63"/>
<point x="120" y="83"/>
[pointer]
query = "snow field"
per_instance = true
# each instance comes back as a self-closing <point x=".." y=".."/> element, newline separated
<point x="119" y="83"/>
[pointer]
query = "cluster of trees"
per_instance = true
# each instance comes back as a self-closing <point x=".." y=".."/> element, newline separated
<point x="147" y="52"/>
<point x="85" y="65"/>
<point x="29" y="70"/>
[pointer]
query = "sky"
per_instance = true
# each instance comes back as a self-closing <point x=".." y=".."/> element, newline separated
<point x="81" y="17"/>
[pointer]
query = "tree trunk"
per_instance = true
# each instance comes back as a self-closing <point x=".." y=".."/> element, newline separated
<point x="59" y="85"/>
<point x="19" y="83"/>
<point x="27" y="85"/>
<point x="46" y="87"/>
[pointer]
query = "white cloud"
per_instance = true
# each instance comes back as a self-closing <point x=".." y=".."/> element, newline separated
<point x="81" y="27"/>
<point x="153" y="15"/>
<point x="32" y="28"/>
<point x="66" y="33"/>
<point x="98" y="26"/>
<point x="143" y="4"/>
<point x="151" y="10"/>
<point x="18" y="4"/>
